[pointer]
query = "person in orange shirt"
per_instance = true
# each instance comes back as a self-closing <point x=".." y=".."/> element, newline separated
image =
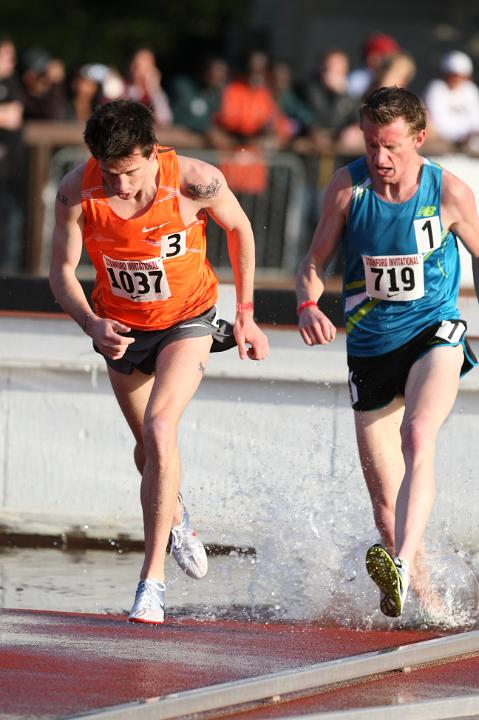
<point x="249" y="114"/>
<point x="141" y="212"/>
<point x="248" y="123"/>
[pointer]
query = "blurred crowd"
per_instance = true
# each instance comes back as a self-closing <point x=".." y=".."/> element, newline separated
<point x="262" y="107"/>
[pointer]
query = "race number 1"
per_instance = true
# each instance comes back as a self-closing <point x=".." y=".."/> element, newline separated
<point x="428" y="233"/>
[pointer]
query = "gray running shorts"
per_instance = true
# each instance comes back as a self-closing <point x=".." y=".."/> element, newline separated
<point x="148" y="344"/>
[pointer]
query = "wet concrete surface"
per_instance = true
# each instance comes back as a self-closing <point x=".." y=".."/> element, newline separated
<point x="238" y="586"/>
<point x="98" y="581"/>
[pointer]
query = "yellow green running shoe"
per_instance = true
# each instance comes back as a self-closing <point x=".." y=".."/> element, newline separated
<point x="391" y="575"/>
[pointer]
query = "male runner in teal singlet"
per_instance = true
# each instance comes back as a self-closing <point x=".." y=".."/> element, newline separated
<point x="397" y="217"/>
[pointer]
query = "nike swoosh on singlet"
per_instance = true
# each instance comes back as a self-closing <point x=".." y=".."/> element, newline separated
<point x="155" y="227"/>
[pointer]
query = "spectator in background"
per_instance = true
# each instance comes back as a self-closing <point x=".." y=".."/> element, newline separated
<point x="452" y="101"/>
<point x="394" y="71"/>
<point x="12" y="155"/>
<point x="249" y="113"/>
<point x="327" y="94"/>
<point x="398" y="70"/>
<point x="291" y="104"/>
<point x="43" y="87"/>
<point x="92" y="85"/>
<point x="248" y="123"/>
<point x="144" y="85"/>
<point x="377" y="48"/>
<point x="85" y="94"/>
<point x="112" y="84"/>
<point x="195" y="101"/>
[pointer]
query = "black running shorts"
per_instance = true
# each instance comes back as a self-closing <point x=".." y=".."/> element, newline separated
<point x="376" y="380"/>
<point x="148" y="344"/>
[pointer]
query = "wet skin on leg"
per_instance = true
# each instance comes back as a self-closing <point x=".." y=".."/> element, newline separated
<point x="431" y="390"/>
<point x="153" y="408"/>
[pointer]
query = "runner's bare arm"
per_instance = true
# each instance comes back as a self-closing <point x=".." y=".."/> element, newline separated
<point x="459" y="214"/>
<point x="67" y="247"/>
<point x="66" y="252"/>
<point x="314" y="326"/>
<point x="207" y="187"/>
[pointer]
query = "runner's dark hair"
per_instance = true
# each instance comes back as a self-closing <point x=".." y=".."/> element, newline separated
<point x="120" y="127"/>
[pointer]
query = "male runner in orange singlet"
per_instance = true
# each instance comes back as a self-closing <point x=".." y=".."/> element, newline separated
<point x="141" y="212"/>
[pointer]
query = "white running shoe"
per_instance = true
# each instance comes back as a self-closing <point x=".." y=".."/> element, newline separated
<point x="149" y="605"/>
<point x="187" y="549"/>
<point x="391" y="575"/>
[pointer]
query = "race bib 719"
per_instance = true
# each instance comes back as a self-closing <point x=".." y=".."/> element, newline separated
<point x="394" y="277"/>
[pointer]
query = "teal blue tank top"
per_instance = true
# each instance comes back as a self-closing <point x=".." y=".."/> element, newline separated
<point x="401" y="268"/>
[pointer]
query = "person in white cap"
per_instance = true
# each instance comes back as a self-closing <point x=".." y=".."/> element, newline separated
<point x="452" y="101"/>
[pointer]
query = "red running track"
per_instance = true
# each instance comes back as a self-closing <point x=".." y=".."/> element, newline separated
<point x="57" y="664"/>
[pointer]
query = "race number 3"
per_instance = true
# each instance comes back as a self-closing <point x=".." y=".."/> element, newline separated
<point x="396" y="278"/>
<point x="173" y="245"/>
<point x="138" y="280"/>
<point x="428" y="233"/>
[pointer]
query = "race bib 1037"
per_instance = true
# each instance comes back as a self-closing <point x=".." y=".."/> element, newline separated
<point x="394" y="277"/>
<point x="138" y="280"/>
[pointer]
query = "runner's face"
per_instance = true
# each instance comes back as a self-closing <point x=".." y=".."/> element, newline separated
<point x="390" y="149"/>
<point x="127" y="177"/>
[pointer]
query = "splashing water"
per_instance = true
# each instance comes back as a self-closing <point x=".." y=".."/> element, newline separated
<point x="310" y="538"/>
<point x="311" y="545"/>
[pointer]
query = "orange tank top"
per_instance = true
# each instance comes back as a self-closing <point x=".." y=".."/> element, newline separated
<point x="151" y="270"/>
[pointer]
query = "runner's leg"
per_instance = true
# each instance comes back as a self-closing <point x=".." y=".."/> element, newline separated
<point x="430" y="393"/>
<point x="379" y="445"/>
<point x="132" y="393"/>
<point x="179" y="371"/>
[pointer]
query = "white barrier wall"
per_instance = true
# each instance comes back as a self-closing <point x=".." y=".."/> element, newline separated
<point x="467" y="168"/>
<point x="265" y="446"/>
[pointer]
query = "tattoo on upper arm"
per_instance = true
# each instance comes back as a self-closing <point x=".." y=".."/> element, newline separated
<point x="62" y="198"/>
<point x="203" y="191"/>
<point x="201" y="368"/>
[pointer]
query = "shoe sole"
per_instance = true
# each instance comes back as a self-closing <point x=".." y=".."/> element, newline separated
<point x="194" y="576"/>
<point x="195" y="572"/>
<point x="146" y="622"/>
<point x="383" y="572"/>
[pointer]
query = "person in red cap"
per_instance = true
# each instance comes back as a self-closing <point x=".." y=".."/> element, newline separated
<point x="377" y="48"/>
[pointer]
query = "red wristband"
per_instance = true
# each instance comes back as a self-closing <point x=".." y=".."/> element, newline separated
<point x="244" y="307"/>
<point x="304" y="305"/>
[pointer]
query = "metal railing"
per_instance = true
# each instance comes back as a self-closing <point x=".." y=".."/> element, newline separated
<point x="283" y="213"/>
<point x="275" y="213"/>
